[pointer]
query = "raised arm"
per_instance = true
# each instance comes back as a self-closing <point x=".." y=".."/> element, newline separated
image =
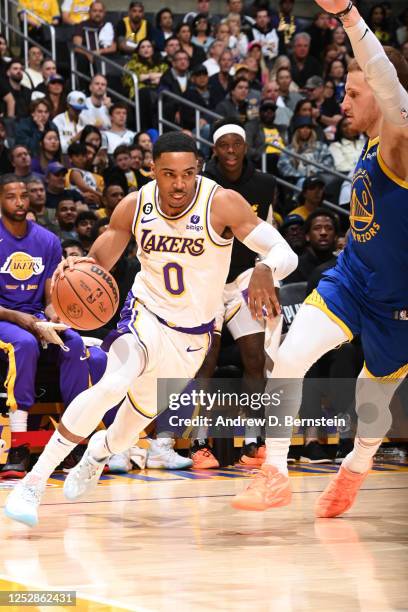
<point x="231" y="212"/>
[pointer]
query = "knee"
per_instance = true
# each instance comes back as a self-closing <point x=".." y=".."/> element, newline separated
<point x="254" y="363"/>
<point x="27" y="347"/>
<point x="74" y="342"/>
<point x="114" y="386"/>
<point x="290" y="363"/>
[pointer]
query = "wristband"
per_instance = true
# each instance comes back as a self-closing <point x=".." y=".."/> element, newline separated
<point x="346" y="11"/>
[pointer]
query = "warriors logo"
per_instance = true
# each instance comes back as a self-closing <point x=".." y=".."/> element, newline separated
<point x="362" y="210"/>
<point x="22" y="266"/>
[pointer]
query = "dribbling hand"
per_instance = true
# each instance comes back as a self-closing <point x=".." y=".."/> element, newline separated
<point x="69" y="262"/>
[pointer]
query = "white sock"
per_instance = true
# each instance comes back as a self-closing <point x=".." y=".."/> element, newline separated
<point x="359" y="460"/>
<point x="54" y="452"/>
<point x="277" y="453"/>
<point x="98" y="448"/>
<point x="250" y="441"/>
<point x="18" y="420"/>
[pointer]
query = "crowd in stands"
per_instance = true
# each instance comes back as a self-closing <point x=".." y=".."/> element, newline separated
<point x="280" y="74"/>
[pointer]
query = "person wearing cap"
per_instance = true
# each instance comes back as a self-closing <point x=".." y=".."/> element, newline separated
<point x="310" y="198"/>
<point x="30" y="130"/>
<point x="292" y="229"/>
<point x="197" y="92"/>
<point x="263" y="32"/>
<point x="68" y="123"/>
<point x="263" y="134"/>
<point x="303" y="64"/>
<point x="55" y="186"/>
<point x="325" y="109"/>
<point x="304" y="142"/>
<point x="55" y="93"/>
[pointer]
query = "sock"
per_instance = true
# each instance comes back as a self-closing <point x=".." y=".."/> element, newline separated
<point x="18" y="421"/>
<point x="277" y="453"/>
<point x="359" y="460"/>
<point x="250" y="441"/>
<point x="99" y="449"/>
<point x="54" y="452"/>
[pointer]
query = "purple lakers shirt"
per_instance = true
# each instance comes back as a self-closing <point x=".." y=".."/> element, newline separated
<point x="25" y="265"/>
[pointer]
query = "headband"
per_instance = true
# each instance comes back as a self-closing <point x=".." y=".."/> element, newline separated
<point x="231" y="128"/>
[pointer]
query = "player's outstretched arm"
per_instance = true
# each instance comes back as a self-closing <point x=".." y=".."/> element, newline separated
<point x="231" y="211"/>
<point x="107" y="249"/>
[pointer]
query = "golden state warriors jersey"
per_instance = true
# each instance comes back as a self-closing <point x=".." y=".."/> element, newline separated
<point x="374" y="264"/>
<point x="184" y="263"/>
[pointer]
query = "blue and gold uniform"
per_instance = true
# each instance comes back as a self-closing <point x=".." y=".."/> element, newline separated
<point x="367" y="292"/>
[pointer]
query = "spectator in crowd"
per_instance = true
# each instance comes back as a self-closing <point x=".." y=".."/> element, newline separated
<point x="310" y="198"/>
<point x="47" y="11"/>
<point x="112" y="195"/>
<point x="283" y="115"/>
<point x="32" y="74"/>
<point x="72" y="248"/>
<point x="97" y="104"/>
<point x="84" y="225"/>
<point x="198" y="92"/>
<point x="171" y="46"/>
<point x="201" y="29"/>
<point x="20" y="159"/>
<point x="202" y="8"/>
<point x="340" y="41"/>
<point x="263" y="135"/>
<point x="304" y="65"/>
<point x="320" y="34"/>
<point x="91" y="137"/>
<point x="266" y="34"/>
<point x="68" y="123"/>
<point x="49" y="151"/>
<point x="136" y="157"/>
<point x="195" y="53"/>
<point x="5" y="57"/>
<point x="30" y="130"/>
<point x="5" y="163"/>
<point x="304" y="142"/>
<point x="304" y="108"/>
<point x="89" y="184"/>
<point x="236" y="7"/>
<point x="285" y="23"/>
<point x="122" y="161"/>
<point x="118" y="133"/>
<point x="55" y="94"/>
<point x="65" y="217"/>
<point x="38" y="199"/>
<point x="146" y="169"/>
<point x="347" y="147"/>
<point x="48" y="68"/>
<point x="238" y="41"/>
<point x="325" y="109"/>
<point x="378" y="23"/>
<point x="220" y="83"/>
<point x="55" y="181"/>
<point x="143" y="140"/>
<point x="15" y="96"/>
<point x="19" y="313"/>
<point x="164" y="27"/>
<point x="132" y="29"/>
<point x="402" y="31"/>
<point x="75" y="11"/>
<point x="336" y="71"/>
<point x="321" y="229"/>
<point x="255" y="54"/>
<point x="212" y="63"/>
<point x="292" y="229"/>
<point x="95" y="33"/>
<point x="236" y="102"/>
<point x="286" y="96"/>
<point x="175" y="80"/>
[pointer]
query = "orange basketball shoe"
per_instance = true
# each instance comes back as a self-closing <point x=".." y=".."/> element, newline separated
<point x="268" y="489"/>
<point x="249" y="456"/>
<point x="203" y="458"/>
<point x="340" y="493"/>
<point x="261" y="453"/>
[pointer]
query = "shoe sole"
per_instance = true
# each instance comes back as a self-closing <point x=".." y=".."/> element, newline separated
<point x="307" y="460"/>
<point x="30" y="521"/>
<point x="119" y="470"/>
<point x="259" y="507"/>
<point x="205" y="467"/>
<point x="152" y="465"/>
<point x="12" y="474"/>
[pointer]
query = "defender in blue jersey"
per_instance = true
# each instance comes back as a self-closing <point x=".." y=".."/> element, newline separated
<point x="367" y="292"/>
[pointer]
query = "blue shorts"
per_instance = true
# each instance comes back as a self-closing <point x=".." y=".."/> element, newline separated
<point x="384" y="339"/>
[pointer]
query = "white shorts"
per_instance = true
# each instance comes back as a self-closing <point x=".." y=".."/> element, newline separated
<point x="169" y="354"/>
<point x="236" y="313"/>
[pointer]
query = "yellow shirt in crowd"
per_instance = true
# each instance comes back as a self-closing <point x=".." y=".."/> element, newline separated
<point x="46" y="9"/>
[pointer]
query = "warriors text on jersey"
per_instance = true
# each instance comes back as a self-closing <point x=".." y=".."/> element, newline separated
<point x="184" y="263"/>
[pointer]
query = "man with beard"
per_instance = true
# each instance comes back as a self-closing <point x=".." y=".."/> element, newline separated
<point x="18" y="106"/>
<point x="132" y="29"/>
<point x="65" y="217"/>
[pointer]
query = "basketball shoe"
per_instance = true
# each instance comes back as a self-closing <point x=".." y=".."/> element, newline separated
<point x="203" y="458"/>
<point x="23" y="501"/>
<point x="120" y="463"/>
<point x="83" y="478"/>
<point x="249" y="456"/>
<point x="340" y="493"/>
<point x="161" y="455"/>
<point x="268" y="489"/>
<point x="18" y="462"/>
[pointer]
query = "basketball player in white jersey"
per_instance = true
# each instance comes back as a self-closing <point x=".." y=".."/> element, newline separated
<point x="184" y="227"/>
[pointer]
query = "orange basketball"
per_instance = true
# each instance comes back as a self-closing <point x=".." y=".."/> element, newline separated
<point x="87" y="297"/>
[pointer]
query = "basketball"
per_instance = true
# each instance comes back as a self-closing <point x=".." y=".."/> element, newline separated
<point x="87" y="297"/>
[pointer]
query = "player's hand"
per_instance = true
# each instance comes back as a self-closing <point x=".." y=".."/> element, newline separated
<point x="27" y="322"/>
<point x="262" y="298"/>
<point x="69" y="262"/>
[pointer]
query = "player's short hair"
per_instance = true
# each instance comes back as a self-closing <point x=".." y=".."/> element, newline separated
<point x="397" y="60"/>
<point x="174" y="142"/>
<point x="6" y="179"/>
<point x="321" y="212"/>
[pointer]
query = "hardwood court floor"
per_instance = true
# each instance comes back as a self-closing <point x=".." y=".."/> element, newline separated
<point x="169" y="541"/>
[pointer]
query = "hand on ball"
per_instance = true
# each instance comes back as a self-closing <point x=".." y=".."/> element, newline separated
<point x="69" y="262"/>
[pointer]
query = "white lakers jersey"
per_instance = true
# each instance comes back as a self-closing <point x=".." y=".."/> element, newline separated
<point x="184" y="263"/>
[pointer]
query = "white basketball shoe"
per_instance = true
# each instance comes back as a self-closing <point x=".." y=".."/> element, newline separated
<point x="161" y="455"/>
<point x="120" y="463"/>
<point x="23" y="501"/>
<point x="83" y="478"/>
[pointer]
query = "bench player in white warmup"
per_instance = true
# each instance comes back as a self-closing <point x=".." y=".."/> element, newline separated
<point x="184" y="227"/>
<point x="366" y="293"/>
